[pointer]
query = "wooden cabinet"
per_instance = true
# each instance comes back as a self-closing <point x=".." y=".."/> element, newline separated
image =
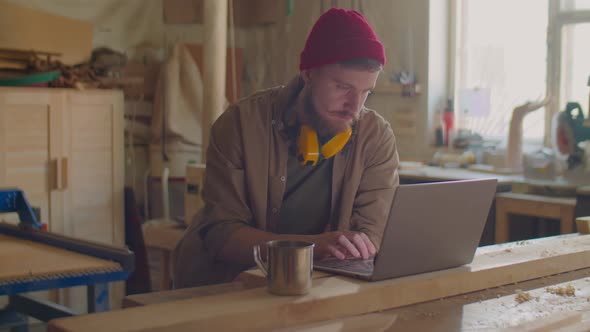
<point x="29" y="143"/>
<point x="92" y="166"/>
<point x="64" y="149"/>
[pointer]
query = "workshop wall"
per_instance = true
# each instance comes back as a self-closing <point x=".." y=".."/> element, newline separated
<point x="271" y="51"/>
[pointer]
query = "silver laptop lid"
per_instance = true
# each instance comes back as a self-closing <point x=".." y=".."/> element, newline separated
<point x="433" y="226"/>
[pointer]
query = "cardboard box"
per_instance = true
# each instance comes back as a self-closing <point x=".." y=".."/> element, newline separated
<point x="247" y="12"/>
<point x="23" y="28"/>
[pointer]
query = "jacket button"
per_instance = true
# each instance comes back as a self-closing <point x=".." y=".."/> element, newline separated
<point x="283" y="178"/>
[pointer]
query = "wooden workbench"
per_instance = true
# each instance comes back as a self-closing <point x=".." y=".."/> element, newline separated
<point x="558" y="187"/>
<point x="558" y="195"/>
<point x="432" y="173"/>
<point x="488" y="309"/>
<point x="482" y="295"/>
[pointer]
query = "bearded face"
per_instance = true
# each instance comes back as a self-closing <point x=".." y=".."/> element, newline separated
<point x="334" y="96"/>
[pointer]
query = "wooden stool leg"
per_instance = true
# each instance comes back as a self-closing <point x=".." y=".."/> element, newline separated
<point x="583" y="223"/>
<point x="566" y="223"/>
<point x="502" y="232"/>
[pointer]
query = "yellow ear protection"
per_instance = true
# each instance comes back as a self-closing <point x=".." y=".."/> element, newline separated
<point x="308" y="146"/>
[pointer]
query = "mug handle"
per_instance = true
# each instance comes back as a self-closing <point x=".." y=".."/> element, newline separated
<point x="261" y="264"/>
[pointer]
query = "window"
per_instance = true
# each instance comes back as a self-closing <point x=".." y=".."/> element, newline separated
<point x="518" y="51"/>
<point x="575" y="64"/>
<point x="504" y="52"/>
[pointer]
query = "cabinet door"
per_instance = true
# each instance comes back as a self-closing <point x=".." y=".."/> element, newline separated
<point x="30" y="135"/>
<point x="93" y="196"/>
<point x="93" y="150"/>
<point x="29" y="149"/>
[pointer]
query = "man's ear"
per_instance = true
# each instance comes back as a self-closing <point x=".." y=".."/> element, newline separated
<point x="306" y="75"/>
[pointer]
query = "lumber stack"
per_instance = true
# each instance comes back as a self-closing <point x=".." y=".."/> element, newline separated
<point x="339" y="297"/>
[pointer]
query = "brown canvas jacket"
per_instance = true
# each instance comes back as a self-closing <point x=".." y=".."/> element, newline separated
<point x="245" y="180"/>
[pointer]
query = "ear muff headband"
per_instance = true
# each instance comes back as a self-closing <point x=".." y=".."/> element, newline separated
<point x="308" y="149"/>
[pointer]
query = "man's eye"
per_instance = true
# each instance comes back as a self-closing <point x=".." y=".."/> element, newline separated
<point x="341" y="87"/>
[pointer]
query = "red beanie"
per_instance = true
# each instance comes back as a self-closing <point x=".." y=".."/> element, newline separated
<point x="338" y="35"/>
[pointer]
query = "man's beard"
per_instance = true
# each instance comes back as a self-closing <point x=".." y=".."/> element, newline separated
<point x="323" y="127"/>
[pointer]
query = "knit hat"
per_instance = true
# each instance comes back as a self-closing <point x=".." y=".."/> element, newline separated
<point x="340" y="34"/>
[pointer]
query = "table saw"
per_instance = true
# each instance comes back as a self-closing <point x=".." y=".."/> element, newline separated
<point x="32" y="259"/>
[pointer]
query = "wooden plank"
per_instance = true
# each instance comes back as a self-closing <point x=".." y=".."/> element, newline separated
<point x="488" y="310"/>
<point x="369" y="322"/>
<point x="548" y="324"/>
<point x="24" y="260"/>
<point x="578" y="327"/>
<point x="543" y="200"/>
<point x="180" y="294"/>
<point x="12" y="64"/>
<point x="246" y="280"/>
<point x="337" y="297"/>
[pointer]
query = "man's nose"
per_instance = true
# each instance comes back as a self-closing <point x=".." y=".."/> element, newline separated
<point x="354" y="99"/>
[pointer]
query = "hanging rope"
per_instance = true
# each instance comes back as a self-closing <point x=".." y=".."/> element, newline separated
<point x="232" y="42"/>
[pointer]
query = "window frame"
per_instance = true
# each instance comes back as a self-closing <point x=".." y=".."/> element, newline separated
<point x="558" y="19"/>
<point x="560" y="13"/>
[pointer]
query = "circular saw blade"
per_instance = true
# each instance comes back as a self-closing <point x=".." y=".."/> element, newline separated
<point x="564" y="140"/>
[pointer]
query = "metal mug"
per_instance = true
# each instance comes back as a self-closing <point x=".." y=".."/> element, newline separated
<point x="288" y="268"/>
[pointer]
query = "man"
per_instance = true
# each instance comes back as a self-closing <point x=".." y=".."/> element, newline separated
<point x="306" y="161"/>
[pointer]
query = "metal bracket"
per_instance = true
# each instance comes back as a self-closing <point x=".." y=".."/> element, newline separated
<point x="14" y="200"/>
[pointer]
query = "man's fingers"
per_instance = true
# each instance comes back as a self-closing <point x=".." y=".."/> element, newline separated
<point x="345" y="242"/>
<point x="335" y="252"/>
<point x="360" y="244"/>
<point x="370" y="246"/>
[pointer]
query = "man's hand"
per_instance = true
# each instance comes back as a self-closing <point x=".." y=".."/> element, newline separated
<point x="343" y="245"/>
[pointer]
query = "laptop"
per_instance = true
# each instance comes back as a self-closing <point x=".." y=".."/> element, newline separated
<point x="431" y="227"/>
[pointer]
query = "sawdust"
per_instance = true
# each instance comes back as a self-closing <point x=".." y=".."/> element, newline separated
<point x="568" y="290"/>
<point x="498" y="253"/>
<point x="522" y="297"/>
<point x="507" y="312"/>
<point x="549" y="253"/>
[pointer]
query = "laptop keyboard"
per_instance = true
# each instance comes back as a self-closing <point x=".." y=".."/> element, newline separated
<point x="364" y="266"/>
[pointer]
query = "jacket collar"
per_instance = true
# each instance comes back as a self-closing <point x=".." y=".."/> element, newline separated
<point x="284" y="112"/>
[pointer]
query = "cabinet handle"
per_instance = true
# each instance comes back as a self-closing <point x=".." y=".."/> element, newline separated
<point x="56" y="174"/>
<point x="64" y="173"/>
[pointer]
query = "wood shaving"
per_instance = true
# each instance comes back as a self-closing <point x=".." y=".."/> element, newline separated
<point x="549" y="253"/>
<point x="522" y="297"/>
<point x="568" y="290"/>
